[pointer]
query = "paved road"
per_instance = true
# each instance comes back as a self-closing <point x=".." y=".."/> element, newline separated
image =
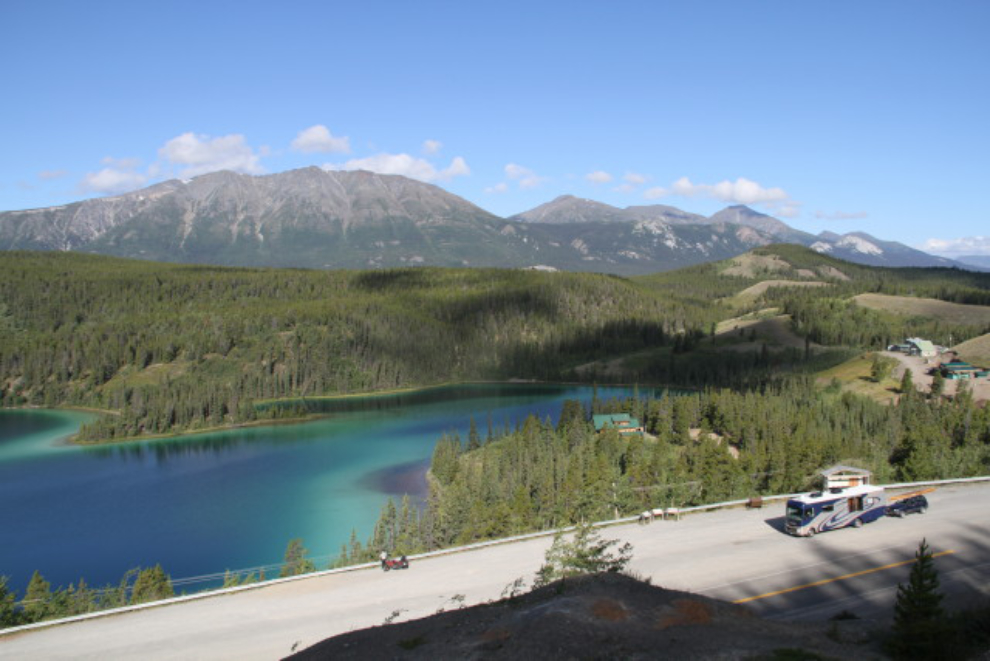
<point x="731" y="554"/>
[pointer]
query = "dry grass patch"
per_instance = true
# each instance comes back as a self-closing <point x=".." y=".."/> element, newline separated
<point x="976" y="350"/>
<point x="774" y="331"/>
<point x="760" y="287"/>
<point x="926" y="307"/>
<point x="854" y="376"/>
<point x="151" y="375"/>
<point x="751" y="266"/>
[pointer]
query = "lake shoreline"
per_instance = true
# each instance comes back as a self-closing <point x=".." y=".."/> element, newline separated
<point x="295" y="420"/>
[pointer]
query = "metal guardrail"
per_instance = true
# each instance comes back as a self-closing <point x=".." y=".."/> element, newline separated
<point x="432" y="554"/>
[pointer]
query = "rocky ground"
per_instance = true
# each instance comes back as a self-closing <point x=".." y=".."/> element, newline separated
<point x="610" y="616"/>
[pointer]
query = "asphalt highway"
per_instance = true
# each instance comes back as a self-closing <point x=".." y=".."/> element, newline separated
<point x="735" y="554"/>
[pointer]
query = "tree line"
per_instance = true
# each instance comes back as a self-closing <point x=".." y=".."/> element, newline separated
<point x="42" y="603"/>
<point x="170" y="347"/>
<point x="706" y="447"/>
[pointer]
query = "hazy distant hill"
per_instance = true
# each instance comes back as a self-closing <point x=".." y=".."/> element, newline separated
<point x="318" y="219"/>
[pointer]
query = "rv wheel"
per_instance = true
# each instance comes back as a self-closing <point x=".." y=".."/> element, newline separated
<point x="811" y="533"/>
<point x="858" y="523"/>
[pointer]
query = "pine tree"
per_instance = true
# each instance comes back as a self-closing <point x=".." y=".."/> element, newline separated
<point x="295" y="561"/>
<point x="938" y="384"/>
<point x="151" y="585"/>
<point x="920" y="625"/>
<point x="907" y="382"/>
<point x="8" y="612"/>
<point x="474" y="440"/>
<point x="585" y="553"/>
<point x="37" y="598"/>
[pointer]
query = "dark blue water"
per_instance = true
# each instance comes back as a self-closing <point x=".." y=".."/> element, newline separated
<point x="203" y="504"/>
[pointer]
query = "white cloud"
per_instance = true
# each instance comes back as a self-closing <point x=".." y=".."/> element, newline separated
<point x="740" y="191"/>
<point x="598" y="177"/>
<point x="121" y="163"/>
<point x="319" y="139"/>
<point x="633" y="180"/>
<point x="48" y="175"/>
<point x="498" y="188"/>
<point x="788" y="209"/>
<point x="969" y="245"/>
<point x="431" y="147"/>
<point x="841" y="215"/>
<point x="405" y="165"/>
<point x="201" y="154"/>
<point x="514" y="171"/>
<point x="112" y="180"/>
<point x="457" y="168"/>
<point x="524" y="176"/>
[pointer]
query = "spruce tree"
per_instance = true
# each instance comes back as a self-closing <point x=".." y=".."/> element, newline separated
<point x="920" y="625"/>
<point x="152" y="585"/>
<point x="585" y="553"/>
<point x="295" y="561"/>
<point x="37" y="598"/>
<point x="907" y="382"/>
<point x="938" y="384"/>
<point x="8" y="612"/>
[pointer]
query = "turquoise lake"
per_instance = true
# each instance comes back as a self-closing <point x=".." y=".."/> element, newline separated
<point x="202" y="504"/>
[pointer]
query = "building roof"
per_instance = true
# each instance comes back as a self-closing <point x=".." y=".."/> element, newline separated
<point x="924" y="346"/>
<point x="618" y="421"/>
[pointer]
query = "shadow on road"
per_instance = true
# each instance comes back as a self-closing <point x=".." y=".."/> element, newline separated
<point x="777" y="523"/>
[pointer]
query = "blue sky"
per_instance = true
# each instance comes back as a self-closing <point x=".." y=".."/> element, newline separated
<point x="838" y="116"/>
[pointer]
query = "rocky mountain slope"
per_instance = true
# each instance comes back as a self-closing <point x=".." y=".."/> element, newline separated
<point x="319" y="219"/>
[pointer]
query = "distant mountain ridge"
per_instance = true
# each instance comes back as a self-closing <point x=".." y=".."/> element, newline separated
<point x="313" y="218"/>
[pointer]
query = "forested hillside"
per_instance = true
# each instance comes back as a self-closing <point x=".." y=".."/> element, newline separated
<point x="169" y="348"/>
<point x="707" y="447"/>
<point x="187" y="347"/>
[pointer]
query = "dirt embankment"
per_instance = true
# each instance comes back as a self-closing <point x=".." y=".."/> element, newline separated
<point x="609" y="616"/>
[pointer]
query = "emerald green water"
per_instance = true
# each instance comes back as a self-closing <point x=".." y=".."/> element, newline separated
<point x="231" y="500"/>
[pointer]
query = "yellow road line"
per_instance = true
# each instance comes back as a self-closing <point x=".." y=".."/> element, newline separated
<point x="837" y="578"/>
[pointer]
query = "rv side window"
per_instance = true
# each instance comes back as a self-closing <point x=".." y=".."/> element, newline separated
<point x="808" y="513"/>
<point x="828" y="508"/>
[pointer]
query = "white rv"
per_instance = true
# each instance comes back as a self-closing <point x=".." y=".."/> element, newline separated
<point x="833" y="508"/>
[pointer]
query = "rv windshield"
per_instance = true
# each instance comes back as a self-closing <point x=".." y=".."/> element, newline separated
<point x="794" y="511"/>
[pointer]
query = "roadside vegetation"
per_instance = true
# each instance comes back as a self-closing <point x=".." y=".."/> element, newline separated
<point x="705" y="447"/>
<point x="41" y="602"/>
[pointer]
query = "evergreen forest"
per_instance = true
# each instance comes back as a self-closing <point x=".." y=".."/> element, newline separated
<point x="165" y="348"/>
<point x="711" y="446"/>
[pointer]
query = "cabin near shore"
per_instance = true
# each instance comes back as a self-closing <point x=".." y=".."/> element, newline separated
<point x="621" y="422"/>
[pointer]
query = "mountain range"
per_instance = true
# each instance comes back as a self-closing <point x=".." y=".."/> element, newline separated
<point x="315" y="218"/>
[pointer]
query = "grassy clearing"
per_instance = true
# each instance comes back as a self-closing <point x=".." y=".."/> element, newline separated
<point x="926" y="307"/>
<point x="751" y="331"/>
<point x="149" y="376"/>
<point x="748" y="296"/>
<point x="854" y="376"/>
<point x="750" y="265"/>
<point x="975" y="351"/>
